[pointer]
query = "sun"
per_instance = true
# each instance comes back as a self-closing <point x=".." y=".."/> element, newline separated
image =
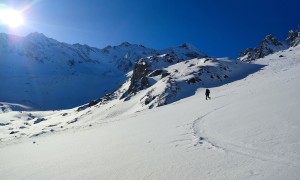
<point x="11" y="18"/>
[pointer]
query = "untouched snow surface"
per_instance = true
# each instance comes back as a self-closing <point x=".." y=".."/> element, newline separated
<point x="250" y="129"/>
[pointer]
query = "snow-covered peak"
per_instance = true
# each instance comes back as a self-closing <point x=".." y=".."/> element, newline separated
<point x="39" y="38"/>
<point x="270" y="45"/>
<point x="187" y="46"/>
<point x="9" y="40"/>
<point x="126" y="44"/>
<point x="36" y="35"/>
<point x="7" y="36"/>
<point x="271" y="40"/>
<point x="185" y="51"/>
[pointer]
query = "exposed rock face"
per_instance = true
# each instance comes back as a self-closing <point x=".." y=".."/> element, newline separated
<point x="154" y="99"/>
<point x="151" y="66"/>
<point x="250" y="54"/>
<point x="102" y="100"/>
<point x="139" y="79"/>
<point x="268" y="46"/>
<point x="271" y="45"/>
<point x="294" y="37"/>
<point x="147" y="67"/>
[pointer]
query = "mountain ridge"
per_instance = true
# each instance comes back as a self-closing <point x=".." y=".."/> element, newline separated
<point x="269" y="45"/>
<point x="44" y="73"/>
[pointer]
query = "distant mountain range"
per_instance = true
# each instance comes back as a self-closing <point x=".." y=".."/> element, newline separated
<point x="44" y="74"/>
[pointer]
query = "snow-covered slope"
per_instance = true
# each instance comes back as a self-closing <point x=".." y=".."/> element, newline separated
<point x="155" y="81"/>
<point x="250" y="129"/>
<point x="7" y="107"/>
<point x="45" y="74"/>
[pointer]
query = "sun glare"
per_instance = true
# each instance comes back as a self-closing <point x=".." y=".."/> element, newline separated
<point x="11" y="18"/>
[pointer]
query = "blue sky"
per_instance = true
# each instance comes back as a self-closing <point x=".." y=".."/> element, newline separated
<point x="217" y="27"/>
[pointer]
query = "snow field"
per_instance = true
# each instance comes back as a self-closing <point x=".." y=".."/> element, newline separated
<point x="248" y="130"/>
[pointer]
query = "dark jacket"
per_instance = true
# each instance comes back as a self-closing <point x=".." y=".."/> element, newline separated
<point x="207" y="92"/>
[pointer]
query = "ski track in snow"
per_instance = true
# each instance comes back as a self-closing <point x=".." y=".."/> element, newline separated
<point x="192" y="139"/>
<point x="203" y="138"/>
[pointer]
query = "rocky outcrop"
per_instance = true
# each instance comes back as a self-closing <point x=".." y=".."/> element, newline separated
<point x="271" y="45"/>
<point x="152" y="66"/>
<point x="268" y="46"/>
<point x="294" y="37"/>
<point x="102" y="100"/>
<point x="147" y="67"/>
<point x="139" y="79"/>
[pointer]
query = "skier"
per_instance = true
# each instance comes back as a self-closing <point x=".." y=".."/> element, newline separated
<point x="207" y="91"/>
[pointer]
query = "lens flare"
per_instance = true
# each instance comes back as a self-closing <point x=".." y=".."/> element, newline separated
<point x="11" y="18"/>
